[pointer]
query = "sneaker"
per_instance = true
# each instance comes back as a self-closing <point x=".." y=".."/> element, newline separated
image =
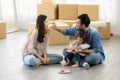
<point x="86" y="65"/>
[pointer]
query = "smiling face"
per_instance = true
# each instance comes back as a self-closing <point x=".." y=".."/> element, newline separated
<point x="79" y="25"/>
<point x="83" y="22"/>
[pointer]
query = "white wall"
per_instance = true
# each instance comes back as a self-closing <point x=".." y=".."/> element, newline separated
<point x="116" y="21"/>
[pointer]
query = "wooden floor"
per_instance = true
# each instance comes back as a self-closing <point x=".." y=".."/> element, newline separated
<point x="12" y="68"/>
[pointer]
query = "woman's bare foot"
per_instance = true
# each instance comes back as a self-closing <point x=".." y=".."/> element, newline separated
<point x="75" y="65"/>
<point x="36" y="66"/>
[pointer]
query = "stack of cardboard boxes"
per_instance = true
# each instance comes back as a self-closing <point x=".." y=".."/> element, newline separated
<point x="67" y="14"/>
<point x="49" y="8"/>
<point x="67" y="11"/>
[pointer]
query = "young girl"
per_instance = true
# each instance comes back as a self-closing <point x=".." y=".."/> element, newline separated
<point x="79" y="45"/>
<point x="35" y="49"/>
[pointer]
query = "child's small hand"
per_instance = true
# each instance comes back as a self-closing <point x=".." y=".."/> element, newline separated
<point x="70" y="49"/>
<point x="78" y="51"/>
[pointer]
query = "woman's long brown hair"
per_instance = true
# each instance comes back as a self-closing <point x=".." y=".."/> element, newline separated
<point x="41" y="27"/>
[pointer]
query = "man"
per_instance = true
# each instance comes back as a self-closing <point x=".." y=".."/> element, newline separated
<point x="95" y="55"/>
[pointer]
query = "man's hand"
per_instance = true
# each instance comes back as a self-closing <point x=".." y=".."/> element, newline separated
<point x="53" y="26"/>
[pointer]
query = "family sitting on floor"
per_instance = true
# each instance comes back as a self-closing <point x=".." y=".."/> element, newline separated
<point x="86" y="50"/>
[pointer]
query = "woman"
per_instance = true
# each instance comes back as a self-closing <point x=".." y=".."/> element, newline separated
<point x="35" y="48"/>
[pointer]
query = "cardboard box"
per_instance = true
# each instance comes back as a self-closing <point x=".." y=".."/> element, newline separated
<point x="91" y="10"/>
<point x="104" y="29"/>
<point x="48" y="1"/>
<point x="2" y="29"/>
<point x="55" y="36"/>
<point x="105" y="32"/>
<point x="69" y="22"/>
<point x="68" y="11"/>
<point x="52" y="21"/>
<point x="47" y="9"/>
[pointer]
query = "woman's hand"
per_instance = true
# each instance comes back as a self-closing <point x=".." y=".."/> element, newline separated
<point x="45" y="60"/>
<point x="48" y="60"/>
